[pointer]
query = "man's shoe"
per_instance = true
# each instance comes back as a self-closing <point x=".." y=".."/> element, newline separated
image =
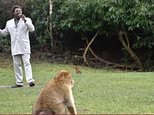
<point x="31" y="84"/>
<point x="17" y="86"/>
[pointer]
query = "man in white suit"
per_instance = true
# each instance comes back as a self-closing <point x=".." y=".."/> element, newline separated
<point x="18" y="28"/>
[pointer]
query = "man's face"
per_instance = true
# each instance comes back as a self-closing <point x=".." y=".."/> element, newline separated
<point x="17" y="12"/>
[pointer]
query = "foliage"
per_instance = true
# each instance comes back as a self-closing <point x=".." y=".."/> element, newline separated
<point x="78" y="15"/>
<point x="99" y="15"/>
<point x="39" y="14"/>
<point x="88" y="15"/>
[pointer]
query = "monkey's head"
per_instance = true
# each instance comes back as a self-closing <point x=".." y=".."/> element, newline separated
<point x="64" y="77"/>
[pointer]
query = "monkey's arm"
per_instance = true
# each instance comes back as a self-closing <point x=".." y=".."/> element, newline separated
<point x="70" y="103"/>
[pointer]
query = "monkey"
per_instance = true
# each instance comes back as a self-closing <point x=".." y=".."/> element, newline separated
<point x="77" y="70"/>
<point x="56" y="97"/>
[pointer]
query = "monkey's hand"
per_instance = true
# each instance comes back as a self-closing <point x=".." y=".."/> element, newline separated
<point x="72" y="110"/>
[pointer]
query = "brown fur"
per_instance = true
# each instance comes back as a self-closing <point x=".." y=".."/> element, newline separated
<point x="56" y="97"/>
<point x="77" y="70"/>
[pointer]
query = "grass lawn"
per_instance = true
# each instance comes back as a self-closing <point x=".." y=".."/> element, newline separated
<point x="96" y="91"/>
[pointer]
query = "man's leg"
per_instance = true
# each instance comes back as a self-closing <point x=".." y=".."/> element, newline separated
<point x="28" y="69"/>
<point x="18" y="70"/>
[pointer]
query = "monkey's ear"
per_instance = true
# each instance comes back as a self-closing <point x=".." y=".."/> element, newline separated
<point x="62" y="75"/>
<point x="59" y="77"/>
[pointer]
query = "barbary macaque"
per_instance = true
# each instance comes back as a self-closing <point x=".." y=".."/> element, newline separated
<point x="77" y="70"/>
<point x="56" y="97"/>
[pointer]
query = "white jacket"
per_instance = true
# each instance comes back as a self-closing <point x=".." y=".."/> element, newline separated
<point x="19" y="34"/>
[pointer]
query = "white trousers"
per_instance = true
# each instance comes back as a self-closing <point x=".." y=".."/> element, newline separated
<point x="18" y="61"/>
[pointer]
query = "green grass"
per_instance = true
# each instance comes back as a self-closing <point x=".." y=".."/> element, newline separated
<point x="96" y="91"/>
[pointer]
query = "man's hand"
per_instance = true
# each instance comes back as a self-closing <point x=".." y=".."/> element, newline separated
<point x="23" y="17"/>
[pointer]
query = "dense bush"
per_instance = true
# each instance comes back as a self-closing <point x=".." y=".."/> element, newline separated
<point x="131" y="22"/>
<point x="95" y="15"/>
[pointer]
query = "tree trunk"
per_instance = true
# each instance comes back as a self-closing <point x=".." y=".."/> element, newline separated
<point x="113" y="65"/>
<point x="88" y="46"/>
<point x="50" y="23"/>
<point x="125" y="42"/>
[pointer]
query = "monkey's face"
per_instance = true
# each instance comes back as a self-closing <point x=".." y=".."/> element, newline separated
<point x="65" y="77"/>
<point x="69" y="80"/>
